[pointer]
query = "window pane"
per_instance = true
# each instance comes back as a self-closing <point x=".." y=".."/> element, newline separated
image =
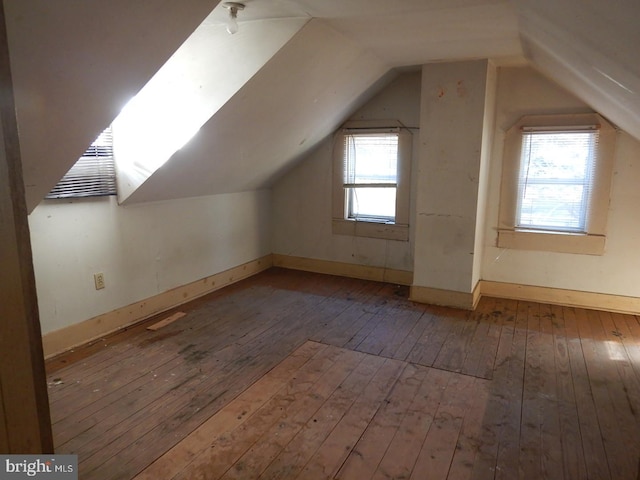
<point x="555" y="179"/>
<point x="557" y="155"/>
<point x="372" y="203"/>
<point x="549" y="206"/>
<point x="371" y="158"/>
<point x="93" y="174"/>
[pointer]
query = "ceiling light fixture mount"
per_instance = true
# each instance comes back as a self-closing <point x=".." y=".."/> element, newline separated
<point x="232" y="22"/>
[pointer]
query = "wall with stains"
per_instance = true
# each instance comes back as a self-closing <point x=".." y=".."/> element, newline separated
<point x="301" y="210"/>
<point x="143" y="250"/>
<point x="456" y="174"/>
<point x="522" y="91"/>
<point x="451" y="136"/>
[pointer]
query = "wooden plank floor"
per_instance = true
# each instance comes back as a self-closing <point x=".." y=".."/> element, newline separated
<point x="297" y="375"/>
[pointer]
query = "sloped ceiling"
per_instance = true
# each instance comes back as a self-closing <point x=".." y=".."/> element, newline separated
<point x="334" y="63"/>
<point x="77" y="63"/>
<point x="207" y="71"/>
<point x="590" y="47"/>
<point x="297" y="98"/>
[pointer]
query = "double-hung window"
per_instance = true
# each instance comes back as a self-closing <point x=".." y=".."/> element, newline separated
<point x="371" y="176"/>
<point x="93" y="174"/>
<point x="555" y="180"/>
<point x="371" y="181"/>
<point x="555" y="185"/>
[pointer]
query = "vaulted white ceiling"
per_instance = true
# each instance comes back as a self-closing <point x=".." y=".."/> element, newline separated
<point x="591" y="48"/>
<point x="76" y="64"/>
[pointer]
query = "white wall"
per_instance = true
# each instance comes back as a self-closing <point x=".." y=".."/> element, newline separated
<point x="302" y="198"/>
<point x="142" y="250"/>
<point x="488" y="133"/>
<point x="523" y="91"/>
<point x="452" y="129"/>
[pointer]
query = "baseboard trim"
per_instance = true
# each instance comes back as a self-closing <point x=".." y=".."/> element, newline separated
<point x="446" y="298"/>
<point x="559" y="296"/>
<point x="81" y="333"/>
<point x="378" y="274"/>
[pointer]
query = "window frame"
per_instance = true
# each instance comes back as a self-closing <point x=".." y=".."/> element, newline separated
<point x="590" y="242"/>
<point x="372" y="227"/>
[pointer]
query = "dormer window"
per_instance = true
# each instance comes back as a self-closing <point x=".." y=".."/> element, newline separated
<point x="372" y="166"/>
<point x="556" y="178"/>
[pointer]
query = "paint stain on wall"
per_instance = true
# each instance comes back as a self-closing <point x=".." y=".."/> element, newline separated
<point x="461" y="89"/>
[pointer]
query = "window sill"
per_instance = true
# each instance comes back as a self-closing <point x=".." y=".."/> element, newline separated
<point x="582" y="244"/>
<point x="386" y="231"/>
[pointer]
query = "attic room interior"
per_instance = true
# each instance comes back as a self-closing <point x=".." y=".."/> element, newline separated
<point x="248" y="300"/>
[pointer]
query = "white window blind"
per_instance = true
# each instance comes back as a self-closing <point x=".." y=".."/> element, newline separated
<point x="371" y="176"/>
<point x="556" y="176"/>
<point x="93" y="174"/>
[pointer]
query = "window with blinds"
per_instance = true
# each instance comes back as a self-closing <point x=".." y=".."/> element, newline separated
<point x="556" y="183"/>
<point x="93" y="174"/>
<point x="371" y="176"/>
<point x="556" y="178"/>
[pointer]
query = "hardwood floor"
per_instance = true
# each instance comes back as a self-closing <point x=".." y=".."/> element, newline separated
<point x="297" y="375"/>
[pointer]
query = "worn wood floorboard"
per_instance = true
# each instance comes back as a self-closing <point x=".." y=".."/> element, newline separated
<point x="573" y="462"/>
<point x="296" y="375"/>
<point x="616" y="409"/>
<point x="376" y="437"/>
<point x="247" y="360"/>
<point x="591" y="434"/>
<point x="176" y="368"/>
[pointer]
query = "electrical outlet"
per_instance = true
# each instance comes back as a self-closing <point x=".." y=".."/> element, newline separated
<point x="98" y="278"/>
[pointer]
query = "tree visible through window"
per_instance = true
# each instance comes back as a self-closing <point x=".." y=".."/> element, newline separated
<point x="370" y="176"/>
<point x="372" y="180"/>
<point x="556" y="179"/>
